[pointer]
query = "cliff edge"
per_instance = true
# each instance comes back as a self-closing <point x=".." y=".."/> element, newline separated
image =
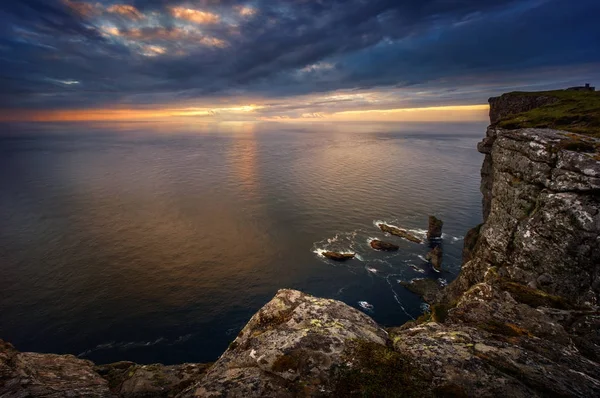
<point x="521" y="319"/>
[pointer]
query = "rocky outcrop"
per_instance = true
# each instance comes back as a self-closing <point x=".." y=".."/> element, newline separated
<point x="435" y="256"/>
<point x="28" y="374"/>
<point x="337" y="256"/>
<point x="385" y="246"/>
<point x="542" y="214"/>
<point x="130" y="380"/>
<point x="296" y="345"/>
<point x="434" y="230"/>
<point x="399" y="232"/>
<point x="514" y="103"/>
<point x="522" y="318"/>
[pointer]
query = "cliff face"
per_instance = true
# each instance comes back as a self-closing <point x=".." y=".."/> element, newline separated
<point x="521" y="319"/>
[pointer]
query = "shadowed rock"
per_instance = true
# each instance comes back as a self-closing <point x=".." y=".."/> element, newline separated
<point x="384" y="246"/>
<point x="435" y="228"/>
<point x="130" y="380"/>
<point x="426" y="288"/>
<point x="435" y="258"/>
<point x="399" y="232"/>
<point x="28" y="374"/>
<point x="336" y="256"/>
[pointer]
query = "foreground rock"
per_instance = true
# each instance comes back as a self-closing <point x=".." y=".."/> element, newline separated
<point x="295" y="345"/>
<point x="435" y="258"/>
<point x="399" y="232"/>
<point x="384" y="246"/>
<point x="434" y="231"/>
<point x="28" y="374"/>
<point x="336" y="256"/>
<point x="130" y="380"/>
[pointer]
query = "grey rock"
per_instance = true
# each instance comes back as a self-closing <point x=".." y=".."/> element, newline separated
<point x="28" y="374"/>
<point x="289" y="347"/>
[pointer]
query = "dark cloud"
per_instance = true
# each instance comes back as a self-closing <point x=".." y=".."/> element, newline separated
<point x="66" y="53"/>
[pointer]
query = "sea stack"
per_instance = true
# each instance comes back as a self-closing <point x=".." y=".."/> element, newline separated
<point x="435" y="258"/>
<point x="435" y="228"/>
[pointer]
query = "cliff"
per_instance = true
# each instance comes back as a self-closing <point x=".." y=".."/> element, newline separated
<point x="521" y="319"/>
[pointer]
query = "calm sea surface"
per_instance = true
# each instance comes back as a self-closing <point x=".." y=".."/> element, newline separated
<point x="157" y="242"/>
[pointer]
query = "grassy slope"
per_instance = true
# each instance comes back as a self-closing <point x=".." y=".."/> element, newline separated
<point x="577" y="112"/>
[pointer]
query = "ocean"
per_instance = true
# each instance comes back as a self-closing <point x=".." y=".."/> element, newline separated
<point x="156" y="242"/>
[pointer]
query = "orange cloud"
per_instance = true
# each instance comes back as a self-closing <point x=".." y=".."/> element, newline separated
<point x="126" y="11"/>
<point x="196" y="16"/>
<point x="247" y="11"/>
<point x="82" y="8"/>
<point x="164" y="34"/>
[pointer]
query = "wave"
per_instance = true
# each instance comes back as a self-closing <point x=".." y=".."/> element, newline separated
<point x="366" y="306"/>
<point x="127" y="345"/>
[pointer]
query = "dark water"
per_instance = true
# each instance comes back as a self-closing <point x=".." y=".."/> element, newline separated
<point x="156" y="243"/>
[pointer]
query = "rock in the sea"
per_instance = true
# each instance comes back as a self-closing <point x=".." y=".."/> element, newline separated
<point x="337" y="256"/>
<point x="435" y="258"/>
<point x="399" y="232"/>
<point x="435" y="228"/>
<point x="426" y="288"/>
<point x="385" y="246"/>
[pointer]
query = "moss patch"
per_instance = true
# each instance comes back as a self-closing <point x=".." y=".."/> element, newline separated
<point x="506" y="329"/>
<point x="378" y="371"/>
<point x="533" y="297"/>
<point x="575" y="111"/>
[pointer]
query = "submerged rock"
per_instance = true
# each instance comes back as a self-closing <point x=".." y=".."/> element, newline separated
<point x="385" y="246"/>
<point x="435" y="258"/>
<point x="435" y="228"/>
<point x="399" y="232"/>
<point x="337" y="256"/>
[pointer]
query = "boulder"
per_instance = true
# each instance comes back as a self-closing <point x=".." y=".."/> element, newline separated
<point x="130" y="380"/>
<point x="337" y="256"/>
<point x="435" y="228"/>
<point x="399" y="232"/>
<point x="385" y="246"/>
<point x="291" y="347"/>
<point x="29" y="374"/>
<point x="435" y="258"/>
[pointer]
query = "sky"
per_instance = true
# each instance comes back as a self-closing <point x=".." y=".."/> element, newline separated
<point x="294" y="60"/>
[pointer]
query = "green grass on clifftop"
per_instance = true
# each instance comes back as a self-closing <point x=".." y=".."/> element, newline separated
<point x="576" y="111"/>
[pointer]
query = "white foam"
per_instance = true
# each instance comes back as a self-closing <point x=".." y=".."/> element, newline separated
<point x="443" y="282"/>
<point x="422" y="258"/>
<point x="418" y="269"/>
<point x="365" y="305"/>
<point x="377" y="222"/>
<point x="126" y="345"/>
<point x="371" y="269"/>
